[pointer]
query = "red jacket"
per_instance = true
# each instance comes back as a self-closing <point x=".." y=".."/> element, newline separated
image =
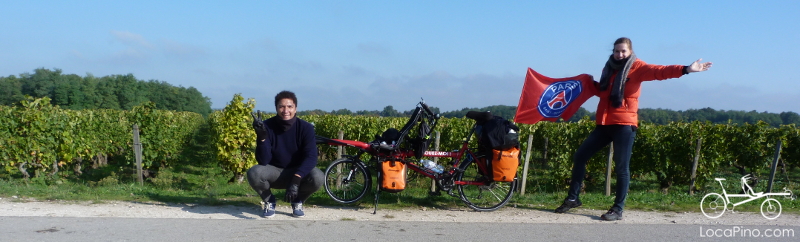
<point x="627" y="114"/>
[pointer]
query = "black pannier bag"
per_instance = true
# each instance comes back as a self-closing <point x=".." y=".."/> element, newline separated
<point x="499" y="139"/>
<point x="499" y="133"/>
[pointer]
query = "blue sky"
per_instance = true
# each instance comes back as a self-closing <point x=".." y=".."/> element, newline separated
<point x="365" y="55"/>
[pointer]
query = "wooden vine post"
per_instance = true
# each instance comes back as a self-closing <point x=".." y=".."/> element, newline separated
<point x="137" y="151"/>
<point x="525" y="167"/>
<point x="694" y="166"/>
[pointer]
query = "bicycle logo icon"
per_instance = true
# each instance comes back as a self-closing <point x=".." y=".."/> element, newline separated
<point x="714" y="205"/>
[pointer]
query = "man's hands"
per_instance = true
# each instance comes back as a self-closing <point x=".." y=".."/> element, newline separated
<point x="698" y="67"/>
<point x="294" y="187"/>
<point x="258" y="125"/>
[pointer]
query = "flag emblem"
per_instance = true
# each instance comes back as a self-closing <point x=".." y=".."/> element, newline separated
<point x="557" y="97"/>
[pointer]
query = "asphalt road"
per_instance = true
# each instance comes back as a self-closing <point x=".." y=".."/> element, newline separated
<point x="174" y="229"/>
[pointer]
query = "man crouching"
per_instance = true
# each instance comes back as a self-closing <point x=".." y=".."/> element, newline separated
<point x="286" y="152"/>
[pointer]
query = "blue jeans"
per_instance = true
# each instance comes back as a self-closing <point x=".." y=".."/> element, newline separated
<point x="263" y="178"/>
<point x="602" y="135"/>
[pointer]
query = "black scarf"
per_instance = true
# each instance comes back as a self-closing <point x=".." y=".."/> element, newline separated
<point x="621" y="67"/>
<point x="286" y="124"/>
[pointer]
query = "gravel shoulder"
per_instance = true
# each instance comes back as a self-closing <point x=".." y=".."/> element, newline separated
<point x="19" y="207"/>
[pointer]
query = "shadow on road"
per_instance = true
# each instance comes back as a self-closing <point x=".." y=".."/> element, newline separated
<point x="244" y="210"/>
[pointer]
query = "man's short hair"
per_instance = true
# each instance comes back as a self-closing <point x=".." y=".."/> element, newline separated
<point x="284" y="95"/>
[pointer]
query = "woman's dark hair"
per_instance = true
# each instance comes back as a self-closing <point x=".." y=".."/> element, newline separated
<point x="284" y="95"/>
<point x="623" y="40"/>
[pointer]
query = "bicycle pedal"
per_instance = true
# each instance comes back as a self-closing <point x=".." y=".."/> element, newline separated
<point x="451" y="193"/>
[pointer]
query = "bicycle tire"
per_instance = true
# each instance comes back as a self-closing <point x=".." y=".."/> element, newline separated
<point x="497" y="193"/>
<point x="773" y="211"/>
<point x="715" y="204"/>
<point x="347" y="181"/>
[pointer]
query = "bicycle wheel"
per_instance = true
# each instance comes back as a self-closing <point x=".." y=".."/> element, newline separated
<point x="771" y="208"/>
<point x="347" y="181"/>
<point x="480" y="192"/>
<point x="713" y="205"/>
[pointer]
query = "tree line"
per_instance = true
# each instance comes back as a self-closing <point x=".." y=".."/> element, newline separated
<point x="120" y="92"/>
<point x="664" y="116"/>
<point x="655" y="116"/>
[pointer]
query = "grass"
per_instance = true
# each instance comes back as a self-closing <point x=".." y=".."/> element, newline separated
<point x="187" y="184"/>
<point x="646" y="195"/>
<point x="208" y="185"/>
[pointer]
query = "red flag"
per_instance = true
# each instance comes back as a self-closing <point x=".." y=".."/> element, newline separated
<point x="545" y="98"/>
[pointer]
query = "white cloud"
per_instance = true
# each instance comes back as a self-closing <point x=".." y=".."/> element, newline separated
<point x="341" y="92"/>
<point x="76" y="54"/>
<point x="372" y="49"/>
<point x="130" y="39"/>
<point x="356" y="71"/>
<point x="181" y="50"/>
<point x="129" y="56"/>
<point x="138" y="50"/>
<point x="438" y="89"/>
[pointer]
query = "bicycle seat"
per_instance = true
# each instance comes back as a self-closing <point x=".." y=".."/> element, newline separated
<point x="480" y="117"/>
<point x="719" y="179"/>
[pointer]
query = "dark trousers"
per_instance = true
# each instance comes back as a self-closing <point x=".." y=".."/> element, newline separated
<point x="623" y="137"/>
<point x="262" y="178"/>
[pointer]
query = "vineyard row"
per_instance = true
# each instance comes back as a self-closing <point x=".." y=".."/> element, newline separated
<point x="36" y="136"/>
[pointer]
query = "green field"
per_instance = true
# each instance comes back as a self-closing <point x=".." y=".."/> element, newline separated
<point x="208" y="184"/>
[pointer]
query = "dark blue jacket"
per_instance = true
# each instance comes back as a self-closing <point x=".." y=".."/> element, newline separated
<point x="294" y="149"/>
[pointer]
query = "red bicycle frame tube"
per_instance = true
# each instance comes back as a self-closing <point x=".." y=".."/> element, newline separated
<point x="403" y="154"/>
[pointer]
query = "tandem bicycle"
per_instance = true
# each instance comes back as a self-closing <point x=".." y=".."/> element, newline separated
<point x="348" y="179"/>
<point x="713" y="205"/>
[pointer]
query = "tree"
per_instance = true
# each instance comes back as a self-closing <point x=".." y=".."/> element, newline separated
<point x="109" y="92"/>
<point x="790" y="118"/>
<point x="342" y="111"/>
<point x="507" y="112"/>
<point x="67" y="92"/>
<point x="107" y="97"/>
<point x="41" y="83"/>
<point x="582" y="112"/>
<point x="389" y="111"/>
<point x="10" y="90"/>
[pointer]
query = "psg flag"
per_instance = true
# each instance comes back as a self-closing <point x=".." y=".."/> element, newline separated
<point x="545" y="98"/>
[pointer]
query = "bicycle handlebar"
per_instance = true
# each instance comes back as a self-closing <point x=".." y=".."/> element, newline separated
<point x="428" y="110"/>
<point x="375" y="145"/>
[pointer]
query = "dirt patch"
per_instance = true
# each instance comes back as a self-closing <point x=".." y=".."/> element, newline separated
<point x="19" y="207"/>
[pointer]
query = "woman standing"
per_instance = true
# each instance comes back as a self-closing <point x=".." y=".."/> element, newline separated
<point x="617" y="119"/>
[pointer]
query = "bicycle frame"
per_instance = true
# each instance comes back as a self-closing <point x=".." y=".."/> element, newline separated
<point x="470" y="190"/>
<point x="751" y="198"/>
<point x="457" y="156"/>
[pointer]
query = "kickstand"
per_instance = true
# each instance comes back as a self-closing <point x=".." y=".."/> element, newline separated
<point x="377" y="194"/>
